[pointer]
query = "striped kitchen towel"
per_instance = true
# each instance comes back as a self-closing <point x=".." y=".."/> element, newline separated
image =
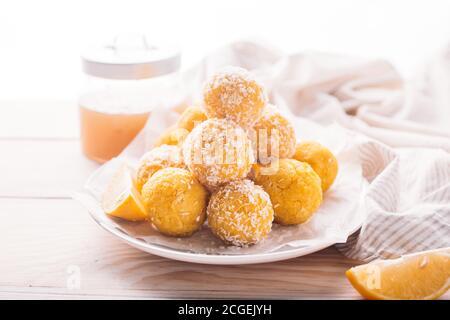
<point x="407" y="204"/>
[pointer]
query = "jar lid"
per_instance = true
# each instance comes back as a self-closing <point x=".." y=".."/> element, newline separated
<point x="130" y="58"/>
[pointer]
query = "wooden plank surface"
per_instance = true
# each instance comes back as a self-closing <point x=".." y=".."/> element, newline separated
<point x="42" y="168"/>
<point x="36" y="119"/>
<point x="43" y="239"/>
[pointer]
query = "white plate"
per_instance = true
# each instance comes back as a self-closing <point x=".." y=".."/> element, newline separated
<point x="211" y="258"/>
<point x="215" y="259"/>
<point x="338" y="217"/>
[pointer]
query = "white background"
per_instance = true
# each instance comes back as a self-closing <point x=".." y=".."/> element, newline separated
<point x="40" y="41"/>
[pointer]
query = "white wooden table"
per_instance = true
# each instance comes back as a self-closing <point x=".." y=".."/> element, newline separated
<point x="50" y="247"/>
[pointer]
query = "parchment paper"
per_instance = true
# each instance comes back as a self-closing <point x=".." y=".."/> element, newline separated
<point x="339" y="215"/>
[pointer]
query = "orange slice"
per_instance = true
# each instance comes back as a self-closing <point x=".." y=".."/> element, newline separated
<point x="424" y="275"/>
<point x="122" y="199"/>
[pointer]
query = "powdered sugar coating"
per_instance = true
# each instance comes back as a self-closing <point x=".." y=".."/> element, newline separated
<point x="274" y="136"/>
<point x="240" y="213"/>
<point x="157" y="159"/>
<point x="218" y="151"/>
<point x="233" y="93"/>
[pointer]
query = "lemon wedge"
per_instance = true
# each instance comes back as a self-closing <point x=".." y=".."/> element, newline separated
<point x="419" y="276"/>
<point x="122" y="199"/>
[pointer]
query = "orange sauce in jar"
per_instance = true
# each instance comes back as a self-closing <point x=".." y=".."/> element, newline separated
<point x="105" y="135"/>
<point x="126" y="78"/>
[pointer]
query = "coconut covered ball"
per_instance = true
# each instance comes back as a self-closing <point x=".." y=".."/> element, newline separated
<point x="175" y="201"/>
<point x="320" y="159"/>
<point x="274" y="136"/>
<point x="294" y="189"/>
<point x="218" y="151"/>
<point x="157" y="159"/>
<point x="191" y="117"/>
<point x="234" y="94"/>
<point x="240" y="213"/>
<point x="172" y="136"/>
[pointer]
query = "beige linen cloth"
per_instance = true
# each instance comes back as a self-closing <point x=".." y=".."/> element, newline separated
<point x="405" y="125"/>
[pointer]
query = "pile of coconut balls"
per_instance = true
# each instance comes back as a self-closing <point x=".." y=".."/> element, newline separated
<point x="235" y="163"/>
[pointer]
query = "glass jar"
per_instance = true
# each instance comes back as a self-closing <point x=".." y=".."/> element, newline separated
<point x="125" y="80"/>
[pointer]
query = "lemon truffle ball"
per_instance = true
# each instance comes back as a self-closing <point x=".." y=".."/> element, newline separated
<point x="294" y="190"/>
<point x="172" y="136"/>
<point x="156" y="159"/>
<point x="320" y="159"/>
<point x="218" y="151"/>
<point x="175" y="202"/>
<point x="274" y="136"/>
<point x="234" y="94"/>
<point x="240" y="213"/>
<point x="191" y="117"/>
